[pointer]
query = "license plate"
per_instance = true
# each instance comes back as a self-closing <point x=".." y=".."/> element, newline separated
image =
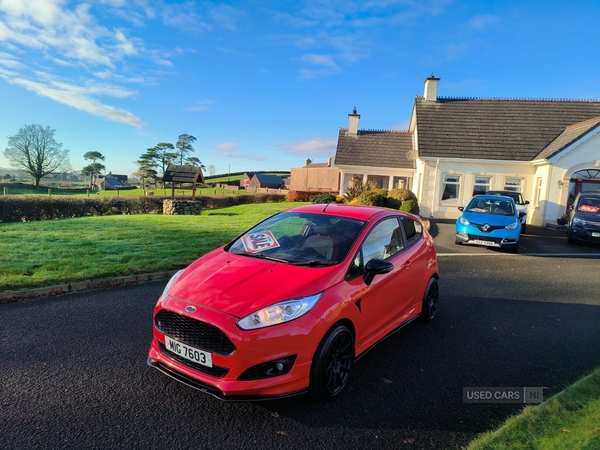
<point x="488" y="243"/>
<point x="595" y="234"/>
<point x="189" y="353"/>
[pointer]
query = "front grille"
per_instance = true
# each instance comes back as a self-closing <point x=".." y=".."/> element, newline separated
<point x="215" y="371"/>
<point x="489" y="230"/>
<point x="194" y="333"/>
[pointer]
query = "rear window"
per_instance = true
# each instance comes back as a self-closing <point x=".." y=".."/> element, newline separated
<point x="589" y="205"/>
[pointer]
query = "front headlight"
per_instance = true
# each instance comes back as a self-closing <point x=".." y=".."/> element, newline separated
<point x="463" y="221"/>
<point x="512" y="226"/>
<point x="578" y="221"/>
<point x="279" y="313"/>
<point x="168" y="286"/>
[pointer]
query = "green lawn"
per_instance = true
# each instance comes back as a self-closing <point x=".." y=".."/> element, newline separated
<point x="46" y="253"/>
<point x="570" y="420"/>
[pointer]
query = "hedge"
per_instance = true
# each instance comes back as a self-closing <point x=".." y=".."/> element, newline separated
<point x="26" y="208"/>
<point x="304" y="196"/>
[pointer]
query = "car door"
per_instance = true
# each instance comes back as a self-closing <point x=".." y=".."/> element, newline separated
<point x="384" y="302"/>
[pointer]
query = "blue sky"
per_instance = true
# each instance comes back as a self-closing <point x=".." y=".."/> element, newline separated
<point x="263" y="85"/>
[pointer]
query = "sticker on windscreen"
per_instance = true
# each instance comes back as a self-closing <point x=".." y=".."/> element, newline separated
<point x="259" y="241"/>
<point x="588" y="209"/>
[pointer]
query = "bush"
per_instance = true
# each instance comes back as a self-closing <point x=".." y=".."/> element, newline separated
<point x="357" y="189"/>
<point x="371" y="198"/>
<point x="303" y="196"/>
<point x="393" y="203"/>
<point x="402" y="195"/>
<point x="323" y="198"/>
<point x="410" y="206"/>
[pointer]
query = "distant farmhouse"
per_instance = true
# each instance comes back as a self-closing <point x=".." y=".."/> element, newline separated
<point x="260" y="180"/>
<point x="549" y="150"/>
<point x="111" y="182"/>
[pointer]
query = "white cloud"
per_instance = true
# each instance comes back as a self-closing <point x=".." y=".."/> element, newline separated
<point x="201" y="105"/>
<point x="483" y="22"/>
<point x="319" y="60"/>
<point x="78" y="97"/>
<point x="226" y="16"/>
<point x="316" y="146"/>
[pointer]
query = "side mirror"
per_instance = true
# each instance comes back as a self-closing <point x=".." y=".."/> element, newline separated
<point x="527" y="202"/>
<point x="376" y="267"/>
<point x="461" y="208"/>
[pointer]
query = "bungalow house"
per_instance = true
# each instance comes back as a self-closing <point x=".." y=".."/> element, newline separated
<point x="548" y="150"/>
<point x="315" y="177"/>
<point x="261" y="180"/>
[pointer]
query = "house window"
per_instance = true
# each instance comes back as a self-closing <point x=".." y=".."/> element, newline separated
<point x="451" y="189"/>
<point x="481" y="185"/>
<point x="513" y="184"/>
<point x="538" y="192"/>
<point x="400" y="183"/>
<point x="380" y="182"/>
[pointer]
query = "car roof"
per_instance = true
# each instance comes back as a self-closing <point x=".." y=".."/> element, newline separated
<point x="591" y="194"/>
<point x="357" y="212"/>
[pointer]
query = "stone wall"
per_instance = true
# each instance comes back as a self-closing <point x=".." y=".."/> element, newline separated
<point x="182" y="207"/>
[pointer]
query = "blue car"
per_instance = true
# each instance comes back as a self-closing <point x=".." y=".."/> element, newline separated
<point x="490" y="220"/>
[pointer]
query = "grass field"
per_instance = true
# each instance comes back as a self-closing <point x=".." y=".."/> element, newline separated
<point x="127" y="192"/>
<point x="570" y="420"/>
<point x="46" y="253"/>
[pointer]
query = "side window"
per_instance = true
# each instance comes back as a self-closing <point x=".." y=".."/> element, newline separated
<point x="412" y="229"/>
<point x="384" y="240"/>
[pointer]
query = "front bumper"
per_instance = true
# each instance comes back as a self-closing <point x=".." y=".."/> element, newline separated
<point x="497" y="238"/>
<point x="587" y="234"/>
<point x="227" y="379"/>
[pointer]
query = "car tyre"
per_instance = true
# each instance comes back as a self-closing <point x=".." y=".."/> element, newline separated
<point x="570" y="239"/>
<point x="430" y="300"/>
<point x="332" y="363"/>
<point x="523" y="228"/>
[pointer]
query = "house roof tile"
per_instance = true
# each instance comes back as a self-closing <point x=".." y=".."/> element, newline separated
<point x="497" y="129"/>
<point x="375" y="148"/>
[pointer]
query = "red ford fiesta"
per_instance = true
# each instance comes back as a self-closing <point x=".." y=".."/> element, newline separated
<point x="288" y="306"/>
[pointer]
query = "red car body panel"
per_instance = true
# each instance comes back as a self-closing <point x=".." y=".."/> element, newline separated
<point x="224" y="287"/>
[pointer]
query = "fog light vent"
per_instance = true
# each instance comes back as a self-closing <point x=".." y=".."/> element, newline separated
<point x="269" y="369"/>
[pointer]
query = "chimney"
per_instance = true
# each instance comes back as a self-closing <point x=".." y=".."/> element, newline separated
<point x="353" y="123"/>
<point x="329" y="162"/>
<point x="431" y="88"/>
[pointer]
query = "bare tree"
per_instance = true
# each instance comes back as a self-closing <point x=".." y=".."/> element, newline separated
<point x="34" y="149"/>
<point x="212" y="170"/>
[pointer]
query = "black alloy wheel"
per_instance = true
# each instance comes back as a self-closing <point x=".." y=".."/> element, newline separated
<point x="332" y="363"/>
<point x="430" y="300"/>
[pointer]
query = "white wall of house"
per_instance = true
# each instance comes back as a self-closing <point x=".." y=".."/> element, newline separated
<point x="583" y="154"/>
<point x="431" y="175"/>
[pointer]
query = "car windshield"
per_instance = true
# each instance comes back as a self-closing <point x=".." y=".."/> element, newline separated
<point x="590" y="205"/>
<point x="491" y="206"/>
<point x="300" y="238"/>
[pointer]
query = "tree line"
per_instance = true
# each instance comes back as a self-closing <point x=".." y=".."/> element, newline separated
<point x="35" y="150"/>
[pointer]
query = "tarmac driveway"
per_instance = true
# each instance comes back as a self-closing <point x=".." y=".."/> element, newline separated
<point x="537" y="241"/>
